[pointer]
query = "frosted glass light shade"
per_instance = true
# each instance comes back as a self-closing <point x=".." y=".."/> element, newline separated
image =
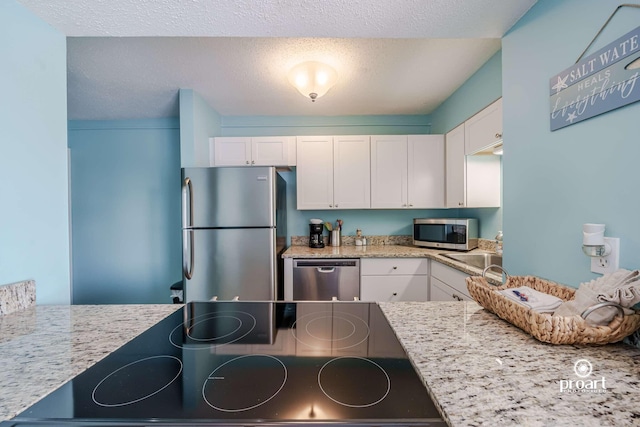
<point x="312" y="79"/>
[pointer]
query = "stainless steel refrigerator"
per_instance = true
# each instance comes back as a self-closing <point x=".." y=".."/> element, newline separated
<point x="233" y="233"/>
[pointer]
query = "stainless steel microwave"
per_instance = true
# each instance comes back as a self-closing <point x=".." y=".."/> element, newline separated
<point x="446" y="233"/>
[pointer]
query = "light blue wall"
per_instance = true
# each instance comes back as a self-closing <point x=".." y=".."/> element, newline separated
<point x="482" y="88"/>
<point x="198" y="122"/>
<point x="34" y="215"/>
<point x="325" y="125"/>
<point x="125" y="197"/>
<point x="556" y="181"/>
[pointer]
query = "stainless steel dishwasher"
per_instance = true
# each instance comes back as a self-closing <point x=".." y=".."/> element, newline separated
<point x="326" y="279"/>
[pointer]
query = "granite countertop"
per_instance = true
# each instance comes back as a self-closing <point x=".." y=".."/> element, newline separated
<point x="483" y="371"/>
<point x="44" y="346"/>
<point x="479" y="369"/>
<point x="390" y="251"/>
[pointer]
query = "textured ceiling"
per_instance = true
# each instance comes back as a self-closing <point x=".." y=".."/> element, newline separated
<point x="128" y="58"/>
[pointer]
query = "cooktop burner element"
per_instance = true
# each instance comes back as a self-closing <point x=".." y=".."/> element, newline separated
<point x="369" y="387"/>
<point x="213" y="328"/>
<point x="327" y="329"/>
<point x="240" y="375"/>
<point x="240" y="363"/>
<point x="137" y="381"/>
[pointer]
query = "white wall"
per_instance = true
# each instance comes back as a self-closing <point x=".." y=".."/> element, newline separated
<point x="34" y="219"/>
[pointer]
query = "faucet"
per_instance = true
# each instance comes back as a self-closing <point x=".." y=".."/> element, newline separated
<point x="499" y="242"/>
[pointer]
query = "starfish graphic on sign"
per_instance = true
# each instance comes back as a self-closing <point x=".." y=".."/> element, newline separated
<point x="562" y="83"/>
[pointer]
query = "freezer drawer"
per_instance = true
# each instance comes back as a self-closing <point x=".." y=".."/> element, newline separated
<point x="229" y="263"/>
<point x="325" y="279"/>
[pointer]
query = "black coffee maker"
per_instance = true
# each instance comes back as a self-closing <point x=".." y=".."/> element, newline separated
<point x="315" y="236"/>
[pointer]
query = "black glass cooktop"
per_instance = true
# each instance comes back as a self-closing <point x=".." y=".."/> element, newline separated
<point x="249" y="363"/>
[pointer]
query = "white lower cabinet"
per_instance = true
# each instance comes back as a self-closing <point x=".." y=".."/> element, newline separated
<point x="448" y="284"/>
<point x="394" y="279"/>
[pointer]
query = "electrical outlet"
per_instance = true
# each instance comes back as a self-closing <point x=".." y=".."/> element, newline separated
<point x="609" y="263"/>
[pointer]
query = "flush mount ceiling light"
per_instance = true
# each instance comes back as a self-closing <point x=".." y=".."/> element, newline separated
<point x="312" y="79"/>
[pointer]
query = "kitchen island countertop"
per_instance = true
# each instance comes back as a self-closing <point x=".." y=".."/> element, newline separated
<point x="479" y="369"/>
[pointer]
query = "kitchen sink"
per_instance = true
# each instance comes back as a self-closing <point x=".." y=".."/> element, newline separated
<point x="479" y="260"/>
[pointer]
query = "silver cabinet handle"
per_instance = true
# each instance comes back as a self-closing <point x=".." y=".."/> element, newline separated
<point x="247" y="162"/>
<point x="187" y="235"/>
<point x="253" y="162"/>
<point x="236" y="298"/>
<point x="336" y="206"/>
<point x="498" y="135"/>
<point x="326" y="269"/>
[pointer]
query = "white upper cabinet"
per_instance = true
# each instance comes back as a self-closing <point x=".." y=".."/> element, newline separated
<point x="455" y="168"/>
<point x="314" y="172"/>
<point x="253" y="151"/>
<point x="351" y="172"/>
<point x="425" y="173"/>
<point x="407" y="171"/>
<point x="389" y="171"/>
<point x="471" y="181"/>
<point x="333" y="172"/>
<point x="484" y="129"/>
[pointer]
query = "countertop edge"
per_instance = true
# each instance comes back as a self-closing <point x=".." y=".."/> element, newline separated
<point x="391" y="251"/>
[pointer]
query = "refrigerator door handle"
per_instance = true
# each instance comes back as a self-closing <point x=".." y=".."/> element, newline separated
<point x="187" y="221"/>
<point x="187" y="253"/>
<point x="187" y="203"/>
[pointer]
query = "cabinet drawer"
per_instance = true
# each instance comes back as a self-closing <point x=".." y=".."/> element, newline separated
<point x="450" y="276"/>
<point x="394" y="266"/>
<point x="394" y="288"/>
<point x="443" y="292"/>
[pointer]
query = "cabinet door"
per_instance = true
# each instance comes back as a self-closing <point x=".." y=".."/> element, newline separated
<point x="232" y="151"/>
<point x="351" y="172"/>
<point x="271" y="150"/>
<point x="455" y="168"/>
<point x="451" y="277"/>
<point x="483" y="181"/>
<point x="389" y="171"/>
<point x="393" y="288"/>
<point x="425" y="174"/>
<point x="314" y="172"/>
<point x="483" y="129"/>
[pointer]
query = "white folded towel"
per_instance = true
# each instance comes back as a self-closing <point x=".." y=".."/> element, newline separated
<point x="535" y="300"/>
<point x="621" y="287"/>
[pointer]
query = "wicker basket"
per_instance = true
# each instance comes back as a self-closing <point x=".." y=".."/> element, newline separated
<point x="544" y="326"/>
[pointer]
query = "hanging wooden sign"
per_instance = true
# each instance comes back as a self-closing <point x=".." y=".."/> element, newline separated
<point x="599" y="83"/>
